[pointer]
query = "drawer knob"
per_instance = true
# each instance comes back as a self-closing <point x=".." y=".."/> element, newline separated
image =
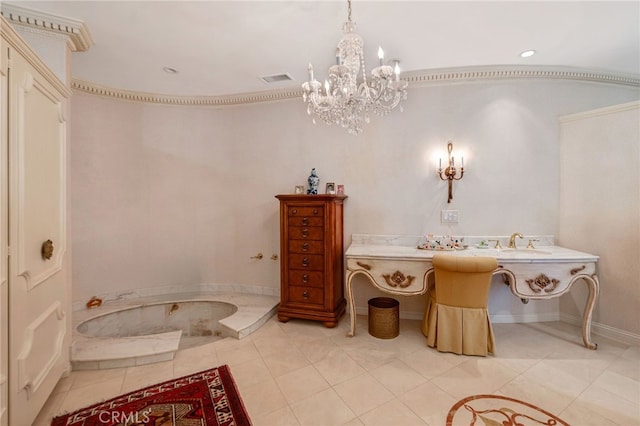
<point x="305" y="262"/>
<point x="305" y="232"/>
<point x="315" y="211"/>
<point x="305" y="246"/>
<point x="305" y="294"/>
<point x="305" y="220"/>
<point x="294" y="211"/>
<point x="305" y="278"/>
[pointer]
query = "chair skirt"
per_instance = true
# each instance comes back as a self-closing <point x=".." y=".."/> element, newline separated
<point x="459" y="330"/>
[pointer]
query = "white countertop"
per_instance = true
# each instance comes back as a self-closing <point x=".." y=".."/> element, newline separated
<point x="397" y="247"/>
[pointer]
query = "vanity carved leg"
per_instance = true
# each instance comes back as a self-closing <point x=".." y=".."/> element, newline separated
<point x="594" y="289"/>
<point x="352" y="305"/>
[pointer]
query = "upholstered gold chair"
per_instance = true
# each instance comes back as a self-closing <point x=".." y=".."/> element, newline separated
<point x="456" y="318"/>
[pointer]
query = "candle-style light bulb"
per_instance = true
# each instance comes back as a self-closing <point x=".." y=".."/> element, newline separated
<point x="326" y="86"/>
<point x="310" y="72"/>
<point x="381" y="55"/>
<point x="337" y="56"/>
<point x="462" y="165"/>
<point x="440" y="163"/>
<point x="396" y="69"/>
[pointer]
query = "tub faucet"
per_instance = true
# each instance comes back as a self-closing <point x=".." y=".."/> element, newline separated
<point x="512" y="239"/>
<point x="174" y="308"/>
<point x="94" y="302"/>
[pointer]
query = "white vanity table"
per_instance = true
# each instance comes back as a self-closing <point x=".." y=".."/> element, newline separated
<point x="396" y="266"/>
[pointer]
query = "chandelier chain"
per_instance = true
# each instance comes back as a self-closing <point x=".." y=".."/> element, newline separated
<point x="349" y="9"/>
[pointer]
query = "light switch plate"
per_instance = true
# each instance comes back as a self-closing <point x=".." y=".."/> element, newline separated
<point x="450" y="216"/>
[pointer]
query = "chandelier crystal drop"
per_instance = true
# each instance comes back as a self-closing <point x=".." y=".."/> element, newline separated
<point x="347" y="96"/>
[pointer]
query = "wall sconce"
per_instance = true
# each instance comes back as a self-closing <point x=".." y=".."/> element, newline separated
<point x="450" y="173"/>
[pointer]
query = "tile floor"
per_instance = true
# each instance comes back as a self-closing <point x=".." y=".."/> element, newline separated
<point x="300" y="373"/>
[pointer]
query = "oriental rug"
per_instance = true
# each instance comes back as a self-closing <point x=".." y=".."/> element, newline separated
<point x="208" y="398"/>
<point x="498" y="410"/>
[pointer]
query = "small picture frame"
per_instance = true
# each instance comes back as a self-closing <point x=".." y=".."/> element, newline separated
<point x="340" y="189"/>
<point x="330" y="188"/>
<point x="299" y="189"/>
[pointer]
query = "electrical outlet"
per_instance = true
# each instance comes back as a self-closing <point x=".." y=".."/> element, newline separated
<point x="450" y="216"/>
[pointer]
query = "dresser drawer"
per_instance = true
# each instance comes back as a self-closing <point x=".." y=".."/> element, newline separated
<point x="306" y="221"/>
<point x="302" y="246"/>
<point x="306" y="278"/>
<point x="314" y="211"/>
<point x="306" y="261"/>
<point x="306" y="295"/>
<point x="306" y="233"/>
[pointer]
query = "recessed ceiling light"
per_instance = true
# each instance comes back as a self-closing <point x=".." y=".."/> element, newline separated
<point x="527" y="53"/>
<point x="170" y="70"/>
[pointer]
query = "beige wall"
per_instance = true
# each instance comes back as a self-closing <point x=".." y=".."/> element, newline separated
<point x="600" y="209"/>
<point x="170" y="195"/>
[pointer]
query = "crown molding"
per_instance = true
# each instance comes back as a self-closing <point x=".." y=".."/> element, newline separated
<point x="11" y="36"/>
<point x="415" y="79"/>
<point x="74" y="31"/>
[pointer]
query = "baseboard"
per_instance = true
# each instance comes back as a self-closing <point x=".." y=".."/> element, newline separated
<point x="496" y="319"/>
<point x="604" y="330"/>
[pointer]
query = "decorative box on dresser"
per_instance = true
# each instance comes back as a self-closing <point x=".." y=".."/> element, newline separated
<point x="312" y="258"/>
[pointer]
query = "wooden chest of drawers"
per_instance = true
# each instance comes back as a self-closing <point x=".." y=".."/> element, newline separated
<point x="311" y="265"/>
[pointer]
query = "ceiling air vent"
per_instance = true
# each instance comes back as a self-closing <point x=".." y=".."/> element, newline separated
<point x="276" y="78"/>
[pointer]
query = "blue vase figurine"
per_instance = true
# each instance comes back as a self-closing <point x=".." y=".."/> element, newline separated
<point x="313" y="180"/>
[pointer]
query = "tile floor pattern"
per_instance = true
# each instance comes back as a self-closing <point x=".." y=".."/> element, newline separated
<point x="301" y="373"/>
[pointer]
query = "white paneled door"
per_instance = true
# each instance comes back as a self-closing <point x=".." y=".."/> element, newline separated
<point x="38" y="323"/>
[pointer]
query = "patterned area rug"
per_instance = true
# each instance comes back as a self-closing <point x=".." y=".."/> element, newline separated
<point x="497" y="410"/>
<point x="208" y="398"/>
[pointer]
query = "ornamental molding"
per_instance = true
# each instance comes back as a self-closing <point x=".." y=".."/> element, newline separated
<point x="416" y="79"/>
<point x="73" y="30"/>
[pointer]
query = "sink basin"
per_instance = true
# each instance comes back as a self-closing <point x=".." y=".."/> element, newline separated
<point x="524" y="251"/>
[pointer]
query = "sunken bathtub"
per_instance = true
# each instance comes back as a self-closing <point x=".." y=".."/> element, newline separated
<point x="125" y="333"/>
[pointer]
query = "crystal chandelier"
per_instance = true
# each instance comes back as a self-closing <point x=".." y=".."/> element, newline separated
<point x="347" y="96"/>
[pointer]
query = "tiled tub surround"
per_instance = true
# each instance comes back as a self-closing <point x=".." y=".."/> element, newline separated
<point x="129" y="332"/>
<point x="396" y="266"/>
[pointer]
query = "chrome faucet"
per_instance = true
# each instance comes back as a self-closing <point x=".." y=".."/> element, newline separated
<point x="512" y="239"/>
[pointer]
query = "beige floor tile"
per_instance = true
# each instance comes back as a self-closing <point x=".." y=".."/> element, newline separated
<point x="549" y="399"/>
<point x="428" y="363"/>
<point x="301" y="383"/>
<point x="611" y="406"/>
<point x="50" y="409"/>
<point x="363" y="393"/>
<point x="234" y="355"/>
<point x="398" y="377"/>
<point x="579" y="414"/>
<point x="429" y="402"/>
<point x="262" y="398"/>
<point x="551" y="374"/>
<point x="288" y="360"/>
<point x="272" y="345"/>
<point x="90" y="377"/>
<point x="393" y="412"/>
<point x="319" y="349"/>
<point x="251" y="372"/>
<point x="86" y="395"/>
<point x="147" y="375"/>
<point x="322" y="409"/>
<point x="338" y="367"/>
<point x="461" y="382"/>
<point x="282" y="417"/>
<point x="622" y="386"/>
